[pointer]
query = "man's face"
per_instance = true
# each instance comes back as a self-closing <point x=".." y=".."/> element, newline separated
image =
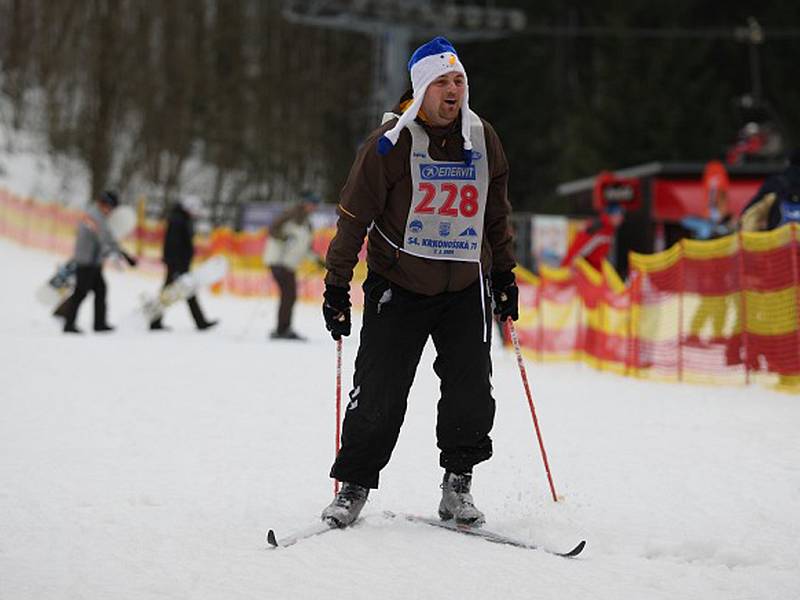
<point x="443" y="98"/>
<point x="105" y="208"/>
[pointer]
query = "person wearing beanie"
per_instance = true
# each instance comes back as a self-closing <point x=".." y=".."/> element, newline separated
<point x="178" y="251"/>
<point x="93" y="244"/>
<point x="777" y="201"/>
<point x="289" y="244"/>
<point x="428" y="189"/>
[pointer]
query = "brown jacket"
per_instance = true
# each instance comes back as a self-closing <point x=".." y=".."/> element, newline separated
<point x="379" y="188"/>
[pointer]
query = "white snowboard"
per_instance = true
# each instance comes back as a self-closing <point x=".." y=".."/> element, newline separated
<point x="185" y="286"/>
<point x="121" y="221"/>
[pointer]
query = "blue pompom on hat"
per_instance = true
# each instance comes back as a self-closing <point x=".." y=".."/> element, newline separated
<point x="428" y="62"/>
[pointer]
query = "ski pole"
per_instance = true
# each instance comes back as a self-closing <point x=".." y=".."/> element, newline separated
<point x="524" y="375"/>
<point x="338" y="405"/>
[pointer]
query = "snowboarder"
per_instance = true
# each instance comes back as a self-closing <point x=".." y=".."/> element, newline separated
<point x="178" y="253"/>
<point x="289" y="244"/>
<point x="429" y="187"/>
<point x="93" y="244"/>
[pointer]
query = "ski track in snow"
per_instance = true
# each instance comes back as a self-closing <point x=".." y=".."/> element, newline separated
<point x="150" y="465"/>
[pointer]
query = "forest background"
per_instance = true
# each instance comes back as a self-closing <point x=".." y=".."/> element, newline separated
<point x="146" y="94"/>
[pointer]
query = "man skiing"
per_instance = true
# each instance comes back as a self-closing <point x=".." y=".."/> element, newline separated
<point x="93" y="244"/>
<point x="178" y="253"/>
<point x="429" y="187"/>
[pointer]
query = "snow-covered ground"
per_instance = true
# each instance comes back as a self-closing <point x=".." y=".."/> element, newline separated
<point x="143" y="465"/>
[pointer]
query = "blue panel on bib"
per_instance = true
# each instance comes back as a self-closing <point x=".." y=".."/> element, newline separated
<point x="432" y="172"/>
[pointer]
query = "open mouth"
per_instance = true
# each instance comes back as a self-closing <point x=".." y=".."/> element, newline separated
<point x="450" y="101"/>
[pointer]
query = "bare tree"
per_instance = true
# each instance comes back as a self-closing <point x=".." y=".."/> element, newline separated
<point x="139" y="89"/>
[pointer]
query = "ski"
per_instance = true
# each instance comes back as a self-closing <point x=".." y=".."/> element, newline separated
<point x="486" y="534"/>
<point x="489" y="536"/>
<point x="311" y="531"/>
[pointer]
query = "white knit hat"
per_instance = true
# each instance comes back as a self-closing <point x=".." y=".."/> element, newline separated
<point x="191" y="203"/>
<point x="430" y="61"/>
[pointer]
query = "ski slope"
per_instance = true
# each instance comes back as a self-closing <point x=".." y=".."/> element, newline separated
<point x="149" y="465"/>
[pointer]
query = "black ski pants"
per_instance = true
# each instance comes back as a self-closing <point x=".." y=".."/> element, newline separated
<point x="88" y="278"/>
<point x="194" y="306"/>
<point x="396" y="325"/>
<point x="287" y="285"/>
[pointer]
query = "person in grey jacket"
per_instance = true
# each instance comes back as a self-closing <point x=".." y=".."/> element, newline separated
<point x="93" y="244"/>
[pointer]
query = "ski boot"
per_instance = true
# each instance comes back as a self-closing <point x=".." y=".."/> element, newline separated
<point x="346" y="506"/>
<point x="457" y="502"/>
<point x="289" y="334"/>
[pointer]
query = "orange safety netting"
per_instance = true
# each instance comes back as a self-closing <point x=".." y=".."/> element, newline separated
<point x="51" y="227"/>
<point x="721" y="311"/>
<point x="576" y="314"/>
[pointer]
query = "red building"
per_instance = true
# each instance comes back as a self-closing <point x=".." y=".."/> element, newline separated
<point x="669" y="192"/>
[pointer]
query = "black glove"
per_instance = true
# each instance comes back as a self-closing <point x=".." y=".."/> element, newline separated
<point x="128" y="258"/>
<point x="506" y="295"/>
<point x="336" y="310"/>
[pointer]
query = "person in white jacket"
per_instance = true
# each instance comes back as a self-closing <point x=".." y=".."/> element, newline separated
<point x="289" y="243"/>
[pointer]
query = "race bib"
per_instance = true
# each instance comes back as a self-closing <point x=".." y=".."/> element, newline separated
<point x="448" y="201"/>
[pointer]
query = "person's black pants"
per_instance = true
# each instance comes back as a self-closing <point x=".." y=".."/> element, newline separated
<point x="87" y="279"/>
<point x="287" y="284"/>
<point x="194" y="305"/>
<point x="393" y="335"/>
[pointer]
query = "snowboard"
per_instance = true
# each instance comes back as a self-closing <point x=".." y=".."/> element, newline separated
<point x="121" y="221"/>
<point x="185" y="286"/>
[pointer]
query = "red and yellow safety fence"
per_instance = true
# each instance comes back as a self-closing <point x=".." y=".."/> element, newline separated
<point x="722" y="311"/>
<point x="576" y="314"/>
